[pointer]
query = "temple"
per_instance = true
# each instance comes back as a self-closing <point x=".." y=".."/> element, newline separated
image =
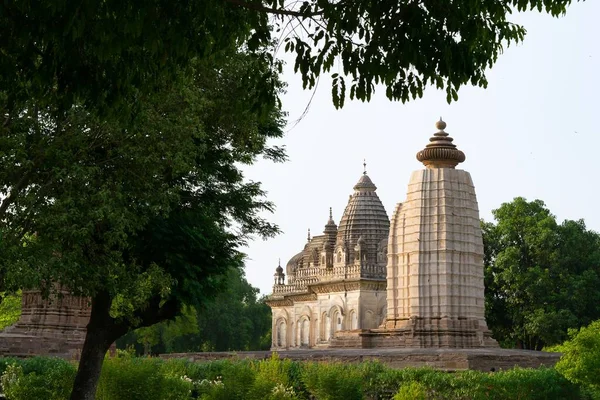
<point x="430" y="282"/>
<point x="338" y="281"/>
<point x="48" y="326"/>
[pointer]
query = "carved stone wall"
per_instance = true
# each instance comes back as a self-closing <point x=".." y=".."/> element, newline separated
<point x="54" y="326"/>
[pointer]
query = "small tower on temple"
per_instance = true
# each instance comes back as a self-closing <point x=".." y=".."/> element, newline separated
<point x="330" y="233"/>
<point x="279" y="276"/>
<point x="435" y="290"/>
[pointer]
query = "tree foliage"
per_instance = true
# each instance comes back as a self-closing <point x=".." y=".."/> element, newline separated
<point x="145" y="215"/>
<point x="10" y="309"/>
<point x="103" y="52"/>
<point x="234" y="320"/>
<point x="580" y="362"/>
<point x="540" y="276"/>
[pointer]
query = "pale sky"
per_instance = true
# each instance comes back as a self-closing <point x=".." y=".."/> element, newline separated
<point x="534" y="132"/>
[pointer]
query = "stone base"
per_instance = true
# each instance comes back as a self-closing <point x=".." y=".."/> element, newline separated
<point x="442" y="359"/>
<point x="21" y="345"/>
<point x="419" y="333"/>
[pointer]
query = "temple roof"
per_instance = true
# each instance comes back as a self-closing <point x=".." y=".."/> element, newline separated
<point x="364" y="216"/>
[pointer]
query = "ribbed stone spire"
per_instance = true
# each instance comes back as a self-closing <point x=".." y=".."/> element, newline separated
<point x="364" y="216"/>
<point x="440" y="152"/>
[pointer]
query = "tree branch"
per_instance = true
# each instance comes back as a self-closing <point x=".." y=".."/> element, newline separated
<point x="261" y="8"/>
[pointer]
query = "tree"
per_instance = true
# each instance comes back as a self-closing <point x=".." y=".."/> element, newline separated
<point x="580" y="362"/>
<point x="10" y="309"/>
<point x="103" y="52"/>
<point x="234" y="320"/>
<point x="540" y="276"/>
<point x="142" y="216"/>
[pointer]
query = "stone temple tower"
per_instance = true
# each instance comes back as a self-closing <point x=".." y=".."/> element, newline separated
<point x="336" y="286"/>
<point x="435" y="290"/>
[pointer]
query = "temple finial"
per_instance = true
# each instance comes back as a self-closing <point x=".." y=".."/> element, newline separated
<point x="441" y="125"/>
<point x="330" y="213"/>
<point x="364" y="166"/>
<point x="308" y="237"/>
<point x="441" y="152"/>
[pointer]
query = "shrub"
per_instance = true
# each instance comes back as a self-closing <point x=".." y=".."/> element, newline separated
<point x="411" y="391"/>
<point x="50" y="379"/>
<point x="272" y="380"/>
<point x="580" y="362"/>
<point x="140" y="379"/>
<point x="333" y="381"/>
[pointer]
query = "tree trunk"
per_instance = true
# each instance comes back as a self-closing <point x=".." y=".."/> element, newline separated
<point x="101" y="333"/>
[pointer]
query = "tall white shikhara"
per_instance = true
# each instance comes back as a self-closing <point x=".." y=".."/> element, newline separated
<point x="435" y="288"/>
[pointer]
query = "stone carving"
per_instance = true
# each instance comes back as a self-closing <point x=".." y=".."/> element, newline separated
<point x="340" y="287"/>
<point x="54" y="326"/>
<point x="432" y="261"/>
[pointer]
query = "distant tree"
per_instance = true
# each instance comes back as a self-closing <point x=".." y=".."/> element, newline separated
<point x="234" y="320"/>
<point x="103" y="52"/>
<point x="143" y="216"/>
<point x="10" y="309"/>
<point x="541" y="277"/>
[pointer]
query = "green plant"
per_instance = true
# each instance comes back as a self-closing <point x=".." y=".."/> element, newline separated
<point x="333" y="381"/>
<point x="580" y="362"/>
<point x="411" y="391"/>
<point x="46" y="384"/>
<point x="272" y="380"/>
<point x="134" y="378"/>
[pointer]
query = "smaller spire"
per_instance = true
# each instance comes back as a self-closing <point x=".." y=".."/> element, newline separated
<point x="364" y="166"/>
<point x="308" y="236"/>
<point x="279" y="269"/>
<point x="330" y="213"/>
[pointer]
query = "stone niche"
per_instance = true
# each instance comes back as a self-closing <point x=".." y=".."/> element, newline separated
<point x="54" y="326"/>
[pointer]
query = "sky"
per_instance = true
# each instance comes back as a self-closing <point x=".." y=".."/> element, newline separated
<point x="534" y="132"/>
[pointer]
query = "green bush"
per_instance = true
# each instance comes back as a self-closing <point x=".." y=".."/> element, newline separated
<point x="131" y="378"/>
<point x="141" y="379"/>
<point x="48" y="379"/>
<point x="272" y="380"/>
<point x="580" y="362"/>
<point x="517" y="383"/>
<point x="411" y="391"/>
<point x="333" y="381"/>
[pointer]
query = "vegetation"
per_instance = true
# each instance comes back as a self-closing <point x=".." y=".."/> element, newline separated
<point x="127" y="377"/>
<point x="580" y="362"/>
<point x="234" y="320"/>
<point x="143" y="217"/>
<point x="10" y="309"/>
<point x="101" y="53"/>
<point x="123" y="125"/>
<point x="541" y="277"/>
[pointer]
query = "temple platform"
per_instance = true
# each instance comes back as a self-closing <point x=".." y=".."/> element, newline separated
<point x="486" y="359"/>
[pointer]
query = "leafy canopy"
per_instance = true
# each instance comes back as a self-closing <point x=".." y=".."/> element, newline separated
<point x="147" y="214"/>
<point x="103" y="52"/>
<point x="580" y="362"/>
<point x="540" y="276"/>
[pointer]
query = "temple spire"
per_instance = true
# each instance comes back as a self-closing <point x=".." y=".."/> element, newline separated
<point x="364" y="166"/>
<point x="308" y="236"/>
